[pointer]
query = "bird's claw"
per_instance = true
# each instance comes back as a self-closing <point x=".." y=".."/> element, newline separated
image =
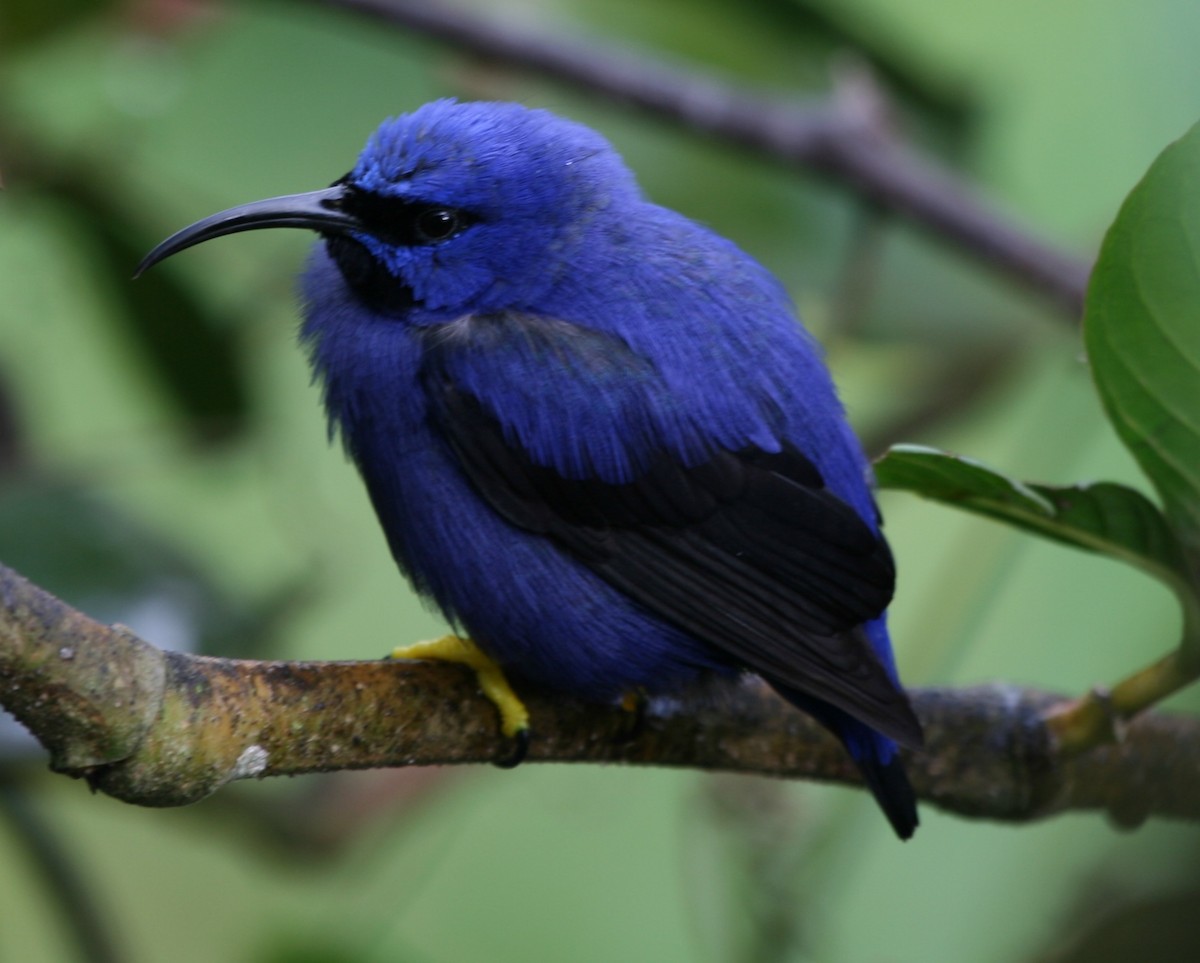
<point x="518" y="752"/>
<point x="514" y="717"/>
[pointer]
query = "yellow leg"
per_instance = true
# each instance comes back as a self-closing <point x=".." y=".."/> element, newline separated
<point x="514" y="717"/>
<point x="633" y="704"/>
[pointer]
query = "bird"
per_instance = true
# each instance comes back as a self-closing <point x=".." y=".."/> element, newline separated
<point x="595" y="433"/>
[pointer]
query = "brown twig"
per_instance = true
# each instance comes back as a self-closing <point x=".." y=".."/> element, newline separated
<point x="163" y="728"/>
<point x="834" y="140"/>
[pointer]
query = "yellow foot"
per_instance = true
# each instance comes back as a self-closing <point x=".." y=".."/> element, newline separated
<point x="633" y="703"/>
<point x="514" y="717"/>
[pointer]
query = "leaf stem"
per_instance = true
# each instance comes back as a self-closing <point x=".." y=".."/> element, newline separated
<point x="1102" y="715"/>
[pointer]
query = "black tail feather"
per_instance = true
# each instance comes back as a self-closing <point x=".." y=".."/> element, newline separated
<point x="875" y="755"/>
<point x="889" y="785"/>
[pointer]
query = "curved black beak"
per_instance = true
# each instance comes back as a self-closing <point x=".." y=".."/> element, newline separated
<point x="319" y="211"/>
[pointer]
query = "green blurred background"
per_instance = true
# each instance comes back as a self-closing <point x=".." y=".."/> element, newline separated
<point x="164" y="463"/>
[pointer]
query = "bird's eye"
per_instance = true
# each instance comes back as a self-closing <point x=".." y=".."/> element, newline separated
<point x="437" y="224"/>
<point x="400" y="221"/>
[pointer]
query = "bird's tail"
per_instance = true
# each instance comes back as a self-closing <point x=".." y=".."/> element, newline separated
<point x="877" y="758"/>
<point x="879" y="762"/>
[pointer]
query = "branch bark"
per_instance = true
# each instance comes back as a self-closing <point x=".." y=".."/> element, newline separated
<point x="161" y="728"/>
<point x="837" y="141"/>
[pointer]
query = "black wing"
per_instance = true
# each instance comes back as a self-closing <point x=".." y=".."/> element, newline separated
<point x="748" y="551"/>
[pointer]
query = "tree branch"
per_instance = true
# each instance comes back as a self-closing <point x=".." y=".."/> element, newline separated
<point x="163" y="728"/>
<point x="840" y="140"/>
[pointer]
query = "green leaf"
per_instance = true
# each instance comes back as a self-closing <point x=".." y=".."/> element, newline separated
<point x="1142" y="329"/>
<point x="1106" y="518"/>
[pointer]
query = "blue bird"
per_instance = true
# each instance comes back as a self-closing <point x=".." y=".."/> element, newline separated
<point x="594" y="432"/>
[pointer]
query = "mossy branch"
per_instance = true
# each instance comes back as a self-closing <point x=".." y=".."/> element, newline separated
<point x="160" y="728"/>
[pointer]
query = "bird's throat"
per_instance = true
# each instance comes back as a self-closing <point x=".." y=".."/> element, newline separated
<point x="376" y="287"/>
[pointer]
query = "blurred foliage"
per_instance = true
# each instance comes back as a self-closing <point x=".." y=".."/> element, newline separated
<point x="25" y="24"/>
<point x="161" y="450"/>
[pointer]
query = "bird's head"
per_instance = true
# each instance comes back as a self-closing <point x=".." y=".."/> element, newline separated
<point x="454" y="208"/>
